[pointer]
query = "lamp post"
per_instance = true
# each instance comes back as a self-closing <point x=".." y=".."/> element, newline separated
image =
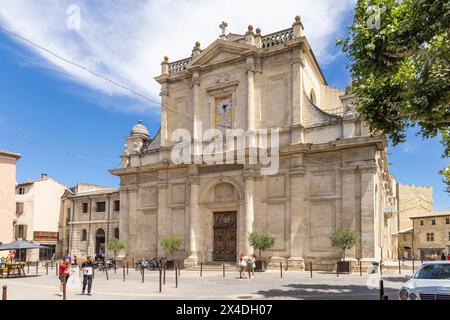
<point x="14" y="229"/>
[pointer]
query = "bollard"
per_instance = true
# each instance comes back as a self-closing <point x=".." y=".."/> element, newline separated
<point x="399" y="267"/>
<point x="64" y="287"/>
<point x="56" y="268"/>
<point x="164" y="276"/>
<point x="413" y="265"/>
<point x="5" y="293"/>
<point x="37" y="267"/>
<point x="176" y="277"/>
<point x="160" y="280"/>
<point x="28" y="267"/>
<point x="360" y="268"/>
<point x="201" y="269"/>
<point x="381" y="269"/>
<point x="249" y="271"/>
<point x="106" y="272"/>
<point x="143" y="274"/>
<point x="223" y="267"/>
<point x="310" y="268"/>
<point x="381" y="289"/>
<point x="123" y="269"/>
<point x="46" y="268"/>
<point x="281" y="269"/>
<point x="93" y="273"/>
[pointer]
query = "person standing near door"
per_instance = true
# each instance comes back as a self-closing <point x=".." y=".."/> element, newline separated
<point x="88" y="269"/>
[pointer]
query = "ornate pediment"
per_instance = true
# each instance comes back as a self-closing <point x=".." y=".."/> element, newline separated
<point x="220" y="51"/>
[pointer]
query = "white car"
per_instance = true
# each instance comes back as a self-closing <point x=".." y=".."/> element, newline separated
<point x="430" y="282"/>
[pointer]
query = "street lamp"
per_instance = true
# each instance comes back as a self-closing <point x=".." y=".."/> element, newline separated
<point x="14" y="229"/>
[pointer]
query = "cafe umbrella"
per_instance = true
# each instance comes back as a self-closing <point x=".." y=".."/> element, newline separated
<point x="21" y="245"/>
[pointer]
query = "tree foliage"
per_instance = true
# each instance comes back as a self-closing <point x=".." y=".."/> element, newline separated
<point x="400" y="64"/>
<point x="344" y="239"/>
<point x="261" y="241"/>
<point x="115" y="245"/>
<point x="171" y="243"/>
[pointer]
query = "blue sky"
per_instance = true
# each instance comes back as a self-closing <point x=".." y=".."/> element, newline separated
<point x="71" y="125"/>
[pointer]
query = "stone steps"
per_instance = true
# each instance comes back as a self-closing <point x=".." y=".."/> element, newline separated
<point x="214" y="267"/>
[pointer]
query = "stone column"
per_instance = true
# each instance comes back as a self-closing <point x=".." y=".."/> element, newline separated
<point x="249" y="214"/>
<point x="123" y="220"/>
<point x="194" y="222"/>
<point x="162" y="210"/>
<point x="252" y="152"/>
<point x="297" y="97"/>
<point x="368" y="250"/>
<point x="197" y="125"/>
<point x="164" y="103"/>
<point x="133" y="223"/>
<point x="298" y="229"/>
<point x="349" y="212"/>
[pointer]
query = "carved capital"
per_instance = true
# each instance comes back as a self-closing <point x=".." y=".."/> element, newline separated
<point x="164" y="90"/>
<point x="195" y="80"/>
<point x="194" y="180"/>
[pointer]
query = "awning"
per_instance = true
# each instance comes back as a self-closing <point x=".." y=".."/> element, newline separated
<point x="21" y="244"/>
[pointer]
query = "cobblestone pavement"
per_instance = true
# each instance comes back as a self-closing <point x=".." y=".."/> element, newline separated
<point x="267" y="285"/>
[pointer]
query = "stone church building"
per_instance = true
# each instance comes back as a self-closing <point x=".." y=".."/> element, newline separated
<point x="332" y="172"/>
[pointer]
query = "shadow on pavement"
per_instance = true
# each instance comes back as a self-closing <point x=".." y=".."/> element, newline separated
<point x="326" y="292"/>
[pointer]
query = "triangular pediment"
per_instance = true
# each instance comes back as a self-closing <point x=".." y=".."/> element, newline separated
<point x="220" y="51"/>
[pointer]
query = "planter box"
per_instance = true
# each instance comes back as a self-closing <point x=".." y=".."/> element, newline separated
<point x="170" y="265"/>
<point x="260" y="266"/>
<point x="344" y="266"/>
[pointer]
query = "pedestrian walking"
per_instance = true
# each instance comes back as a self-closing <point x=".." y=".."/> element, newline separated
<point x="88" y="269"/>
<point x="242" y="266"/>
<point x="253" y="265"/>
<point x="64" y="273"/>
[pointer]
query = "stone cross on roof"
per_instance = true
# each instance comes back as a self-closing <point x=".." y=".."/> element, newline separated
<point x="223" y="26"/>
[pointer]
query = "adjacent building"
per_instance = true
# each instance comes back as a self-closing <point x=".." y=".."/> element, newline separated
<point x="89" y="218"/>
<point x="431" y="235"/>
<point x="37" y="211"/>
<point x="8" y="182"/>
<point x="331" y="171"/>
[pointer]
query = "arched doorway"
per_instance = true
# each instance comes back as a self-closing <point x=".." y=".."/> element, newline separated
<point x="222" y="205"/>
<point x="100" y="243"/>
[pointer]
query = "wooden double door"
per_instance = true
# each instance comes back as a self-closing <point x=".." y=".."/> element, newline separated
<point x="225" y="236"/>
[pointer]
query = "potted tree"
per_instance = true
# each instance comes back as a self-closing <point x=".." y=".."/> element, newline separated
<point x="344" y="239"/>
<point x="261" y="242"/>
<point x="171" y="244"/>
<point x="115" y="245"/>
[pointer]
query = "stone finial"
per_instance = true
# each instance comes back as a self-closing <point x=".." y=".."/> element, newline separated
<point x="196" y="50"/>
<point x="250" y="36"/>
<point x="258" y="38"/>
<point x="165" y="65"/>
<point x="297" y="27"/>
<point x="223" y="26"/>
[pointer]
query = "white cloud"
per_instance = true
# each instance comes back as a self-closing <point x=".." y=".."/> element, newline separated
<point x="125" y="41"/>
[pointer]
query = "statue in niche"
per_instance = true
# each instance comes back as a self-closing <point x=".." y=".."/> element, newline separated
<point x="223" y="115"/>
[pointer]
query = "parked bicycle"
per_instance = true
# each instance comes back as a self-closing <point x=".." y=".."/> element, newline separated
<point x="104" y="264"/>
<point x="151" y="264"/>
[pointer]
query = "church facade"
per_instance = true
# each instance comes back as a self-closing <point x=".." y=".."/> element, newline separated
<point x="331" y="172"/>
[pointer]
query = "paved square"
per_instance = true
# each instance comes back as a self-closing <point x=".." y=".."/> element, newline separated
<point x="212" y="286"/>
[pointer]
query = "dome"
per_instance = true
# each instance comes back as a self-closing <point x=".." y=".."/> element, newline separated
<point x="139" y="129"/>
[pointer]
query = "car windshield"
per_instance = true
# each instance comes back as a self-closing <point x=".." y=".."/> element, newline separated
<point x="434" y="271"/>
